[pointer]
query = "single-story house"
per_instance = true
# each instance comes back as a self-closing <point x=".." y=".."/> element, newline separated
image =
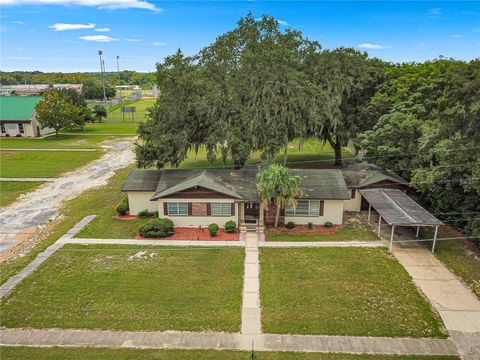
<point x="198" y="197"/>
<point x="18" y="117"/>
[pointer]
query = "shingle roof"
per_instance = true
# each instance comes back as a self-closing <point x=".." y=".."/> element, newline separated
<point x="240" y="184"/>
<point x="15" y="108"/>
<point x="203" y="179"/>
<point x="397" y="208"/>
<point x="364" y="174"/>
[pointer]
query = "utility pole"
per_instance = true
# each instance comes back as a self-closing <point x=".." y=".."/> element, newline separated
<point x="102" y="69"/>
<point x="118" y="72"/>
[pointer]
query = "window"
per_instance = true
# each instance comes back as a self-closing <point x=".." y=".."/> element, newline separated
<point x="178" y="208"/>
<point x="3" y="128"/>
<point x="21" y="129"/>
<point x="305" y="208"/>
<point x="221" y="209"/>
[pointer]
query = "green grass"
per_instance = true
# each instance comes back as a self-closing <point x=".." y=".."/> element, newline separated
<point x="312" y="154"/>
<point x="62" y="142"/>
<point x="89" y="202"/>
<point x="11" y="190"/>
<point x="115" y="113"/>
<point x="118" y="129"/>
<point x="20" y="353"/>
<point x="342" y="291"/>
<point x="42" y="163"/>
<point x="348" y="232"/>
<point x="104" y="226"/>
<point x="463" y="260"/>
<point x="103" y="287"/>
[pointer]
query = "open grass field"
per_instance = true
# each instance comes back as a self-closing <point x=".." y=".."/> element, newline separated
<point x="42" y="163"/>
<point x="349" y="232"/>
<point x="116" y="287"/>
<point x="312" y="154"/>
<point x="342" y="291"/>
<point x="62" y="142"/>
<point x="11" y="190"/>
<point x="21" y="353"/>
<point x="142" y="106"/>
<point x="114" y="129"/>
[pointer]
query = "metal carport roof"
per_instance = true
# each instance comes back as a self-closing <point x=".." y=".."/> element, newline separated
<point x="398" y="209"/>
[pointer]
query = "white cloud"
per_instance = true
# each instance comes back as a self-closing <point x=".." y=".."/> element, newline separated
<point x="456" y="36"/>
<point x="64" y="27"/>
<point x="132" y="40"/>
<point x="98" y="38"/>
<point x="435" y="12"/>
<point x="105" y="29"/>
<point x="159" y="43"/>
<point x="18" y="22"/>
<point x="101" y="4"/>
<point x="19" y="58"/>
<point x="281" y="22"/>
<point x="372" y="46"/>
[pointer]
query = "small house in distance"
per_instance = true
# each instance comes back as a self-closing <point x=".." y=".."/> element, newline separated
<point x="18" y="117"/>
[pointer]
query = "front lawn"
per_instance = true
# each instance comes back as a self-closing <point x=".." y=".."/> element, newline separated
<point x="106" y="128"/>
<point x="11" y="190"/>
<point x="43" y="163"/>
<point x="144" y="354"/>
<point x="348" y="232"/>
<point x="131" y="288"/>
<point x="342" y="291"/>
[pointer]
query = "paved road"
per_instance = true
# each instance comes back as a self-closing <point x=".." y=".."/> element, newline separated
<point x="38" y="207"/>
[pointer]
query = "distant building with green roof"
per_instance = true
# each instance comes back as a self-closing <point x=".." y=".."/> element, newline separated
<point x="18" y="117"/>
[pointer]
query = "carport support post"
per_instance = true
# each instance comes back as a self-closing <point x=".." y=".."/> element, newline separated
<point x="434" y="238"/>
<point x="369" y="212"/>
<point x="418" y="231"/>
<point x="391" y="239"/>
<point x="379" y="224"/>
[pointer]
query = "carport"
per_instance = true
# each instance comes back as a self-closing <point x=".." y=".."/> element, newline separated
<point x="397" y="209"/>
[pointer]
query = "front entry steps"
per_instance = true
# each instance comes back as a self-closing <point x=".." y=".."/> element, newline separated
<point x="252" y="228"/>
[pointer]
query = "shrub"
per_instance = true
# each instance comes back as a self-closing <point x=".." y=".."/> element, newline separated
<point x="328" y="224"/>
<point x="213" y="229"/>
<point x="157" y="228"/>
<point x="145" y="214"/>
<point x="230" y="226"/>
<point x="310" y="225"/>
<point x="122" y="208"/>
<point x="18" y="135"/>
<point x="290" y="225"/>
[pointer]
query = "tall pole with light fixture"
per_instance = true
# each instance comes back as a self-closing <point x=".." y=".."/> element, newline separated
<point x="118" y="72"/>
<point x="102" y="69"/>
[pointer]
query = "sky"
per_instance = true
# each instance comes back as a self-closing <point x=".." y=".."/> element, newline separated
<point x="65" y="35"/>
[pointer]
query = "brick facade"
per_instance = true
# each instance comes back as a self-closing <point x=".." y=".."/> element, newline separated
<point x="199" y="209"/>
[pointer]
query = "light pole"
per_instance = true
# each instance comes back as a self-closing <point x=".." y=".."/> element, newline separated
<point x="102" y="69"/>
<point x="118" y="72"/>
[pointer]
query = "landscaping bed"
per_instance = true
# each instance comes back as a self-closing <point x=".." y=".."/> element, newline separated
<point x="348" y="232"/>
<point x="131" y="288"/>
<point x="342" y="291"/>
<point x="188" y="233"/>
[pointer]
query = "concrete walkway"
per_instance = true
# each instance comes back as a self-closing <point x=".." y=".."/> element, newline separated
<point x="456" y="304"/>
<point x="322" y="244"/>
<point x="251" y="315"/>
<point x="10" y="284"/>
<point x="40" y="149"/>
<point x="28" y="179"/>
<point x="223" y="341"/>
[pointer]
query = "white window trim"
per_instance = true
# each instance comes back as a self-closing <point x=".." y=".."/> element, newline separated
<point x="222" y="204"/>
<point x="176" y="203"/>
<point x="290" y="214"/>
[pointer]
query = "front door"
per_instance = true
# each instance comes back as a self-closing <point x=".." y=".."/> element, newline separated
<point x="252" y="212"/>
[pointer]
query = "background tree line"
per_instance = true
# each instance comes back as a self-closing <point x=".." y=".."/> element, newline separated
<point x="126" y="77"/>
<point x="257" y="88"/>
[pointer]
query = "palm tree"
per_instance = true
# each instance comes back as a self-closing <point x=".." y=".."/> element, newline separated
<point x="276" y="182"/>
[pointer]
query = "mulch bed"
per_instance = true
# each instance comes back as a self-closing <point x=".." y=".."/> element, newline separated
<point x="186" y="233"/>
<point x="304" y="229"/>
